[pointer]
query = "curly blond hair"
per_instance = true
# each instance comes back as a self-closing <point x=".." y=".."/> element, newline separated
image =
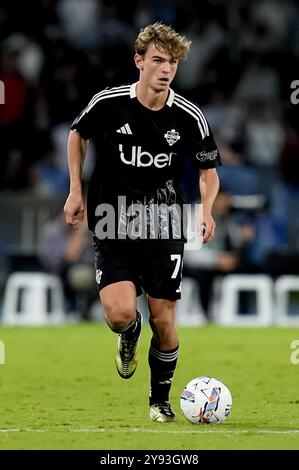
<point x="163" y="37"/>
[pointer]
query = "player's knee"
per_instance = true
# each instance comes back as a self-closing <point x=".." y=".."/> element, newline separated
<point x="119" y="315"/>
<point x="162" y="323"/>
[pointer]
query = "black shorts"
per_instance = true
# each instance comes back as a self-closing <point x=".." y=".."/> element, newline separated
<point x="155" y="267"/>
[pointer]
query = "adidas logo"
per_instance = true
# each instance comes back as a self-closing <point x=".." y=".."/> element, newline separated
<point x="124" y="129"/>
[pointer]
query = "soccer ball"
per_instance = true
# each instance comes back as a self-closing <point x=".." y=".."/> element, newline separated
<point x="206" y="400"/>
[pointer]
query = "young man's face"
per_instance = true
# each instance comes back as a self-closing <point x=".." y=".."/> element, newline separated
<point x="157" y="68"/>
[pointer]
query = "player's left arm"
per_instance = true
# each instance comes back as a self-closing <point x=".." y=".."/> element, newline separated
<point x="205" y="156"/>
<point x="209" y="187"/>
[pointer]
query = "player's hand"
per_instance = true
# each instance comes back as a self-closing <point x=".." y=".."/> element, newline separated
<point x="74" y="210"/>
<point x="209" y="226"/>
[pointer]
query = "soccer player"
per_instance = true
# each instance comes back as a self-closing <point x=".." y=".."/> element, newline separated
<point x="143" y="132"/>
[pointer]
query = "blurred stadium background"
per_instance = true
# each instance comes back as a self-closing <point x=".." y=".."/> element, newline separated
<point x="58" y="53"/>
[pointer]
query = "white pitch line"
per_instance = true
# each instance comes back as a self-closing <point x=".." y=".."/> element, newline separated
<point x="157" y="431"/>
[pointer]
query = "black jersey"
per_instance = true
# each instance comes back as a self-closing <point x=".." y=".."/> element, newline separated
<point x="141" y="152"/>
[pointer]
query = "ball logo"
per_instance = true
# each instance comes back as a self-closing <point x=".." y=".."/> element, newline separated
<point x="227" y="410"/>
<point x="187" y="395"/>
<point x="210" y="406"/>
<point x="141" y="158"/>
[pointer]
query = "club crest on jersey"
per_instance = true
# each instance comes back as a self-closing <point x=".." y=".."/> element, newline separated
<point x="172" y="136"/>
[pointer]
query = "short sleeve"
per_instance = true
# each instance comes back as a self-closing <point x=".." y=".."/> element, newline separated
<point x="85" y="122"/>
<point x="205" y="153"/>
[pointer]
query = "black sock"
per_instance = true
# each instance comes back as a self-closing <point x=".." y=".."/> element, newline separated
<point x="131" y="329"/>
<point x="162" y="365"/>
<point x="134" y="327"/>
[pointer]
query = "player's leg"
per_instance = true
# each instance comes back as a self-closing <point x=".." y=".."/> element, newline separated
<point x="161" y="280"/>
<point x="162" y="322"/>
<point x="162" y="358"/>
<point x="117" y="286"/>
<point x="119" y="303"/>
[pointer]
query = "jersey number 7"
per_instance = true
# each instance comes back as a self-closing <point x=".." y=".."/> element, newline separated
<point x="177" y="259"/>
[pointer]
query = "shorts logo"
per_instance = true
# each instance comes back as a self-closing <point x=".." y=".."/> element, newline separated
<point x="203" y="156"/>
<point x="98" y="275"/>
<point x="172" y="136"/>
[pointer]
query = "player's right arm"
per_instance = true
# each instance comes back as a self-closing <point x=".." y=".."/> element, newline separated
<point x="74" y="206"/>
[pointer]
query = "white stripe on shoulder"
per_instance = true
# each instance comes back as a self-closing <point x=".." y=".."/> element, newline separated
<point x="110" y="91"/>
<point x="105" y="94"/>
<point x="105" y="97"/>
<point x="196" y="117"/>
<point x="196" y="109"/>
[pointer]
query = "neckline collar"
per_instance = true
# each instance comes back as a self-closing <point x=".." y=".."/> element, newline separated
<point x="169" y="99"/>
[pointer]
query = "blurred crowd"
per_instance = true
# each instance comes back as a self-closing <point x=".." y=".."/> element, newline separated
<point x="55" y="54"/>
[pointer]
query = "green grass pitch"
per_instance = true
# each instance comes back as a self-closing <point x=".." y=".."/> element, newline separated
<point x="59" y="390"/>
